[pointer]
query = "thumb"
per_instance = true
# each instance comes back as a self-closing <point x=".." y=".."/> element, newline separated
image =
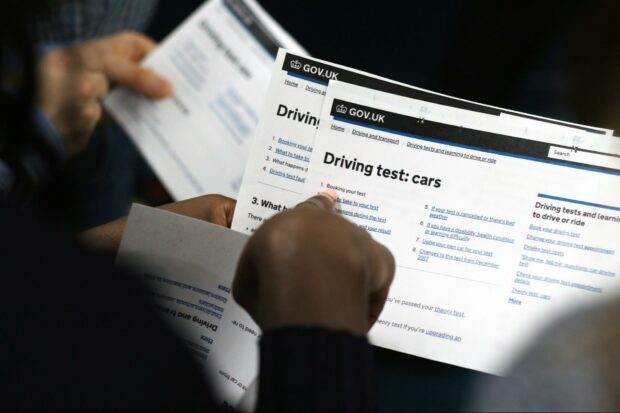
<point x="144" y="81"/>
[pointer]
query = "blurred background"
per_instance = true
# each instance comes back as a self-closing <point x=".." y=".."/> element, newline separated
<point x="558" y="59"/>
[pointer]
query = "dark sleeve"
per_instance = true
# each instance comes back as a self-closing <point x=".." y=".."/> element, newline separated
<point x="78" y="335"/>
<point x="315" y="369"/>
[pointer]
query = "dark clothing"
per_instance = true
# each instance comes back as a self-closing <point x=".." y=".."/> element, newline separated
<point x="72" y="21"/>
<point x="77" y="334"/>
<point x="315" y="370"/>
<point x="99" y="184"/>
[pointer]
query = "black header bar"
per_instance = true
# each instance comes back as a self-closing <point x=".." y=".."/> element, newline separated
<point x="248" y="19"/>
<point x="323" y="73"/>
<point x="450" y="134"/>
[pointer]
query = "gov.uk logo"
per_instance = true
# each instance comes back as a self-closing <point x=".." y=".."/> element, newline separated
<point x="341" y="109"/>
<point x="295" y="64"/>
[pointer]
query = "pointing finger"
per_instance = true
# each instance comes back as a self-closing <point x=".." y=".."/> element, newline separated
<point x="325" y="201"/>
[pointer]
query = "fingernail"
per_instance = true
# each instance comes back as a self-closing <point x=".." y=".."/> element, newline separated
<point x="330" y="193"/>
<point x="161" y="87"/>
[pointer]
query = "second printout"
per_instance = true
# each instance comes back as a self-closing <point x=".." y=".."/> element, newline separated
<point x="276" y="169"/>
<point x="494" y="236"/>
<point x="219" y="61"/>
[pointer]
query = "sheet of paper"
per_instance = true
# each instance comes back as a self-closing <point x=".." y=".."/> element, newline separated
<point x="276" y="170"/>
<point x="494" y="236"/>
<point x="189" y="267"/>
<point x="219" y="61"/>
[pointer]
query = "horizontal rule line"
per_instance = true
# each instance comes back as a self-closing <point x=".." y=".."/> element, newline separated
<point x="575" y="201"/>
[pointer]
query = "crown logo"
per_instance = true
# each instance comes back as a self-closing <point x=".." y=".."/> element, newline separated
<point x="296" y="64"/>
<point x="341" y="108"/>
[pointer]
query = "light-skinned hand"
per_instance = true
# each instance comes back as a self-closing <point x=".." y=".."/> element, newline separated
<point x="73" y="80"/>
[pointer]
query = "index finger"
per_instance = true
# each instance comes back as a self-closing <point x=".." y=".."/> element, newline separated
<point x="325" y="201"/>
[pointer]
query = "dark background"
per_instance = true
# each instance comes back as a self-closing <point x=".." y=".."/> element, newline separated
<point x="552" y="58"/>
<point x="559" y="59"/>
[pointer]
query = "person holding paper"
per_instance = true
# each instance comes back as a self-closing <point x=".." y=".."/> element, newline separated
<point x="71" y="83"/>
<point x="100" y="181"/>
<point x="79" y="334"/>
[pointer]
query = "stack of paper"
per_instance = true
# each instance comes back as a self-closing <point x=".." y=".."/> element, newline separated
<point x="500" y="222"/>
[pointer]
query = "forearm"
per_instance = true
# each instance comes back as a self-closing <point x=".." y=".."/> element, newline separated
<point x="215" y="209"/>
<point x="105" y="238"/>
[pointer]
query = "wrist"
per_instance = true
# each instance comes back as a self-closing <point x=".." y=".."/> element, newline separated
<point x="292" y="302"/>
<point x="105" y="238"/>
<point x="337" y="371"/>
